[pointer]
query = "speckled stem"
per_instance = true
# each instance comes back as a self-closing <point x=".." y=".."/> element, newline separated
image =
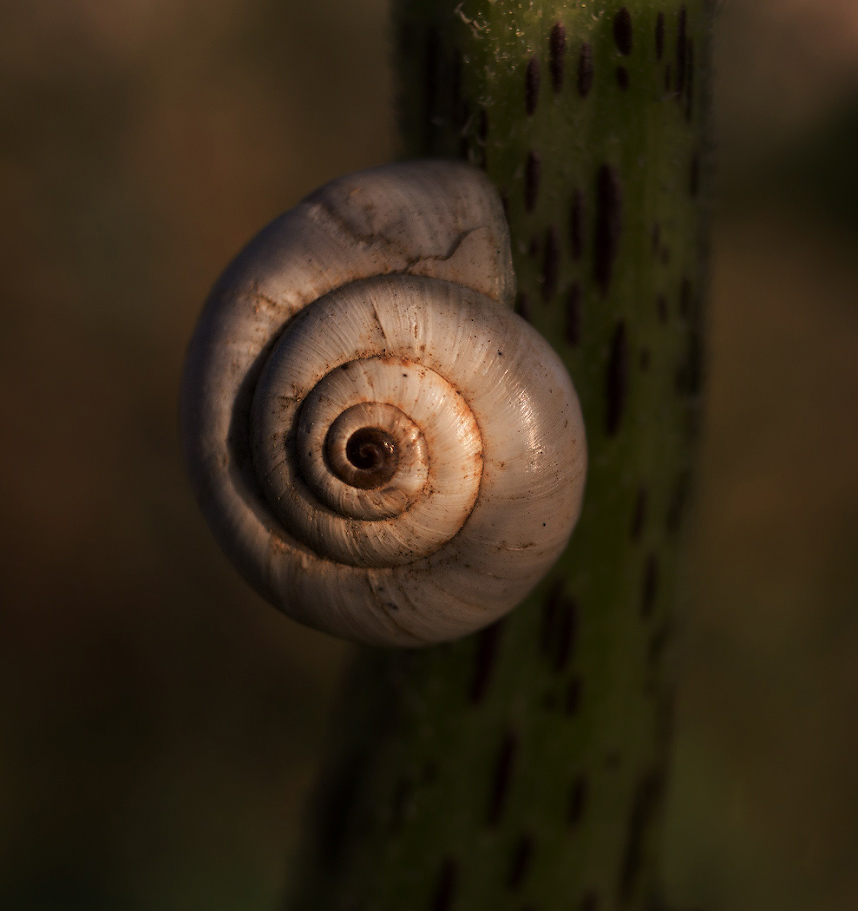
<point x="524" y="768"/>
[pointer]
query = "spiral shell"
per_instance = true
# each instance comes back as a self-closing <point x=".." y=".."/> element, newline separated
<point x="386" y="451"/>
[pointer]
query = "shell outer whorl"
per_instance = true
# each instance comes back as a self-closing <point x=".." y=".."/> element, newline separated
<point x="386" y="452"/>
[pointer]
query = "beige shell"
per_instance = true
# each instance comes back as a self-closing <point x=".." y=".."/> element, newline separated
<point x="383" y="447"/>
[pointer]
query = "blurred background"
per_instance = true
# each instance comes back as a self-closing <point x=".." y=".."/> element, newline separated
<point x="158" y="727"/>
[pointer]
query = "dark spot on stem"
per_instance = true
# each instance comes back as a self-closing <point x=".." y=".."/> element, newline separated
<point x="338" y="802"/>
<point x="638" y="515"/>
<point x="691" y="371"/>
<point x="550" y="264"/>
<point x="681" y="51"/>
<point x="576" y="802"/>
<point x="446" y="885"/>
<point x="430" y="773"/>
<point x="689" y="83"/>
<point x="504" y="763"/>
<point x="572" y="701"/>
<point x="661" y="308"/>
<point x="533" y="247"/>
<point x="401" y="804"/>
<point x="617" y="380"/>
<point x="567" y="629"/>
<point x="659" y="36"/>
<point x="685" y="298"/>
<point x="572" y="322"/>
<point x="576" y="225"/>
<point x="589" y="902"/>
<point x="623" y="31"/>
<point x="646" y="804"/>
<point x="559" y="626"/>
<point x="532" y="171"/>
<point x="650" y="586"/>
<point x="622" y="78"/>
<point x="549" y="613"/>
<point x="643" y="360"/>
<point x="532" y="78"/>
<point x="520" y="862"/>
<point x="694" y="176"/>
<point x="666" y="717"/>
<point x="659" y="642"/>
<point x="585" y="70"/>
<point x="609" y="224"/>
<point x="557" y="52"/>
<point x="485" y="659"/>
<point x="613" y="760"/>
<point x="678" y="499"/>
<point x="656" y="237"/>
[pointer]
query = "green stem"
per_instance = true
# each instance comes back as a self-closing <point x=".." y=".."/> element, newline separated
<point x="524" y="767"/>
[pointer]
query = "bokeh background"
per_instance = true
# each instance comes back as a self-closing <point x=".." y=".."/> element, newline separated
<point x="158" y="725"/>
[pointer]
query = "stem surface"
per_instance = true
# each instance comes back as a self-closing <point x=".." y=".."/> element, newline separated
<point x="524" y="767"/>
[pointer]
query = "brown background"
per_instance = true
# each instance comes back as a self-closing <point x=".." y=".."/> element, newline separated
<point x="158" y="724"/>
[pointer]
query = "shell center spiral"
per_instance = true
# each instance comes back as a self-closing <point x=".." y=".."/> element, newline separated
<point x="372" y="458"/>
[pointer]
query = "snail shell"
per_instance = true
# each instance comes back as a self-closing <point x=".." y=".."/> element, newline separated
<point x="382" y="446"/>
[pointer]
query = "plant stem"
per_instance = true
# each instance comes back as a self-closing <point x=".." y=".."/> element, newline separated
<point x="524" y="767"/>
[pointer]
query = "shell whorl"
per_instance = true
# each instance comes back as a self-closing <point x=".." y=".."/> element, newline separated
<point x="384" y="448"/>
